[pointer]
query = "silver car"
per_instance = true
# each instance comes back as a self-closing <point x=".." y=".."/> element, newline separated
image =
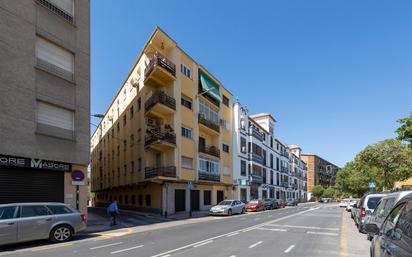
<point x="228" y="207"/>
<point x="21" y="222"/>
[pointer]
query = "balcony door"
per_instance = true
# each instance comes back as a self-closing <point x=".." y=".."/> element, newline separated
<point x="158" y="160"/>
<point x="202" y="143"/>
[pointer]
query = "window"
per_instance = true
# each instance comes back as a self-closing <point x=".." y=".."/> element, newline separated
<point x="118" y="172"/>
<point x="124" y="145"/>
<point x="140" y="200"/>
<point x="242" y="144"/>
<point x="186" y="101"/>
<point x="225" y="101"/>
<point x="264" y="175"/>
<point x="187" y="162"/>
<point x="132" y="165"/>
<point x="65" y="5"/>
<point x="124" y="120"/>
<point x="225" y="148"/>
<point x="131" y="140"/>
<point x="139" y="164"/>
<point x="207" y="165"/>
<point x="118" y="127"/>
<point x="59" y="209"/>
<point x="148" y="200"/>
<point x="51" y="115"/>
<point x="277" y="179"/>
<point x="7" y="212"/>
<point x="54" y="58"/>
<point x="133" y="199"/>
<point x="208" y="112"/>
<point x="277" y="163"/>
<point x="242" y="168"/>
<point x="271" y="161"/>
<point x="34" y="210"/>
<point x="125" y="169"/>
<point x="271" y="177"/>
<point x="186" y="132"/>
<point x="131" y="112"/>
<point x="139" y="104"/>
<point x="186" y="71"/>
<point x="207" y="196"/>
<point x="392" y="220"/>
<point x="271" y="142"/>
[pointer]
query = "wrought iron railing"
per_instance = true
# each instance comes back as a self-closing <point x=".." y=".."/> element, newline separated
<point x="168" y="171"/>
<point x="208" y="123"/>
<point x="162" y="98"/>
<point x="155" y="137"/>
<point x="209" y="176"/>
<point x="161" y="61"/>
<point x="211" y="150"/>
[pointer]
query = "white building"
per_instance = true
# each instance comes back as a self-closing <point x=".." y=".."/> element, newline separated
<point x="263" y="167"/>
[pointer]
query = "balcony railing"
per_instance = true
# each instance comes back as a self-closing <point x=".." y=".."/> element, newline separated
<point x="295" y="186"/>
<point x="284" y="184"/>
<point x="209" y="176"/>
<point x="208" y="123"/>
<point x="57" y="10"/>
<point x="161" y="98"/>
<point x="258" y="179"/>
<point x="257" y="158"/>
<point x="211" y="150"/>
<point x="161" y="61"/>
<point x="284" y="169"/>
<point x="158" y="137"/>
<point x="168" y="171"/>
<point x="256" y="134"/>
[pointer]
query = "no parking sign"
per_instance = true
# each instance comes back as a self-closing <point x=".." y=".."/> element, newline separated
<point x="78" y="178"/>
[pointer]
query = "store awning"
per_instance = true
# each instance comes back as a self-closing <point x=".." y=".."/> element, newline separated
<point x="207" y="84"/>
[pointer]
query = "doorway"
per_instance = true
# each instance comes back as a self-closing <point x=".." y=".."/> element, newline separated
<point x="220" y="196"/>
<point x="194" y="200"/>
<point x="180" y="200"/>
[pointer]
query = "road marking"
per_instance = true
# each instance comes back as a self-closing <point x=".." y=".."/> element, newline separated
<point x="289" y="249"/>
<point x="204" y="243"/>
<point x="103" y="246"/>
<point x="233" y="234"/>
<point x="166" y="255"/>
<point x="127" y="249"/>
<point x="322" y="233"/>
<point x="304" y="227"/>
<point x="240" y="230"/>
<point x="274" y="229"/>
<point x="50" y="247"/>
<point x="255" y="244"/>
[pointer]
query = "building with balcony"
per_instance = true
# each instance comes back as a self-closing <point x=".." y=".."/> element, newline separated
<point x="320" y="172"/>
<point x="44" y="101"/>
<point x="263" y="167"/>
<point x="169" y="125"/>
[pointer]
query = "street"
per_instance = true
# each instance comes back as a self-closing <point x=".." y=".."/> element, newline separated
<point x="312" y="230"/>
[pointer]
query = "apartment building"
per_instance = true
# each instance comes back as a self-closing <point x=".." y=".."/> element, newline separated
<point x="44" y="101"/>
<point x="263" y="167"/>
<point x="164" y="144"/>
<point x="320" y="171"/>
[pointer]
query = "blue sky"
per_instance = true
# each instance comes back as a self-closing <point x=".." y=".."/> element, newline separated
<point x="335" y="74"/>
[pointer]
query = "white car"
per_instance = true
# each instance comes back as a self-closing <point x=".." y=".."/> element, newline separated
<point x="351" y="203"/>
<point x="344" y="203"/>
<point x="228" y="207"/>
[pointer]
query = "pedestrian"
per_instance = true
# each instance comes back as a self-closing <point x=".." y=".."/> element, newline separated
<point x="113" y="210"/>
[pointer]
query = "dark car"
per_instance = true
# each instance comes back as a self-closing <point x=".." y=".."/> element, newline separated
<point x="291" y="202"/>
<point x="280" y="204"/>
<point x="270" y="204"/>
<point x="394" y="238"/>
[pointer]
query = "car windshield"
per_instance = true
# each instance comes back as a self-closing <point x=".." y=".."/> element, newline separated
<point x="225" y="203"/>
<point x="373" y="201"/>
<point x="254" y="202"/>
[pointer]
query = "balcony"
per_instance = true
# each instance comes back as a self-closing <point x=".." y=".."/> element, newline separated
<point x="284" y="169"/>
<point x="209" y="124"/>
<point x="257" y="179"/>
<point x="295" y="186"/>
<point x="160" y="104"/>
<point x="166" y="172"/>
<point x="160" y="71"/>
<point x="160" y="141"/>
<point x="256" y="134"/>
<point x="210" y="150"/>
<point x="209" y="176"/>
<point x="256" y="158"/>
<point x="285" y="184"/>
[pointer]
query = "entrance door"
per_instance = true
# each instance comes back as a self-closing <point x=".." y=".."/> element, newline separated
<point x="194" y="200"/>
<point x="180" y="199"/>
<point x="220" y="196"/>
<point x="243" y="195"/>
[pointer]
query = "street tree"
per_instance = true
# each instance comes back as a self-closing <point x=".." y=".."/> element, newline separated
<point x="405" y="130"/>
<point x="317" y="191"/>
<point x="329" y="192"/>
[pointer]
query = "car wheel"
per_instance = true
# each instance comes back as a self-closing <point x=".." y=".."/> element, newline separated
<point x="229" y="212"/>
<point x="61" y="233"/>
<point x="243" y="211"/>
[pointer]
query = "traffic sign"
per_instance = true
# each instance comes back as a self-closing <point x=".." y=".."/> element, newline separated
<point x="372" y="184"/>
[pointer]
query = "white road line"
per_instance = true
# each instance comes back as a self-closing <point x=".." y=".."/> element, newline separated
<point x="240" y="230"/>
<point x="127" y="249"/>
<point x="274" y="229"/>
<point x="166" y="255"/>
<point x="233" y="234"/>
<point x="322" y="233"/>
<point x="204" y="243"/>
<point x="232" y="256"/>
<point x="304" y="227"/>
<point x="103" y="246"/>
<point x="289" y="249"/>
<point x="256" y="219"/>
<point x="255" y="244"/>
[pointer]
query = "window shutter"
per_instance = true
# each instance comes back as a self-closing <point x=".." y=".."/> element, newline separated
<point x="55" y="116"/>
<point x="65" y="5"/>
<point x="54" y="55"/>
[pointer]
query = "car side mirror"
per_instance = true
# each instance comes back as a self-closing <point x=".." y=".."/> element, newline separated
<point x="396" y="235"/>
<point x="372" y="228"/>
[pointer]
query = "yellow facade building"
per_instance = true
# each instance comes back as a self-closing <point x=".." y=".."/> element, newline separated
<point x="164" y="144"/>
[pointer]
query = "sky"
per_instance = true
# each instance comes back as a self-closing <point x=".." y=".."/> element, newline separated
<point x="335" y="74"/>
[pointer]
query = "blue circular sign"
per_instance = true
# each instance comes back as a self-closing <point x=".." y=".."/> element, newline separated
<point x="77" y="175"/>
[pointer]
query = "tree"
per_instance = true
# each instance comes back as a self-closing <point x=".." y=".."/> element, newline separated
<point x="317" y="191"/>
<point x="388" y="161"/>
<point x="328" y="192"/>
<point x="405" y="130"/>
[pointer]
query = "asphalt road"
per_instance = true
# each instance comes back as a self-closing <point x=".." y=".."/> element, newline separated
<point x="311" y="230"/>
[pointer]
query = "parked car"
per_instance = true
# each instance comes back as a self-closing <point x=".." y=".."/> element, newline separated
<point x="291" y="202"/>
<point x="21" y="222"/>
<point x="270" y="204"/>
<point x="280" y="204"/>
<point x="395" y="235"/>
<point x="351" y="203"/>
<point x="228" y="207"/>
<point x="367" y="205"/>
<point x="384" y="206"/>
<point x="255" y="205"/>
<point x="344" y="203"/>
<point x="354" y="209"/>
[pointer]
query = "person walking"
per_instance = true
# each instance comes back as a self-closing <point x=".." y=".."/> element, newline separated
<point x="113" y="210"/>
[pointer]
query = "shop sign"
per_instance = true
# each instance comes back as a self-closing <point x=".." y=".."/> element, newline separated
<point x="12" y="161"/>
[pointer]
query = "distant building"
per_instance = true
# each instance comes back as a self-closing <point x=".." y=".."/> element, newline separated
<point x="44" y="101"/>
<point x="320" y="171"/>
<point x="406" y="184"/>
